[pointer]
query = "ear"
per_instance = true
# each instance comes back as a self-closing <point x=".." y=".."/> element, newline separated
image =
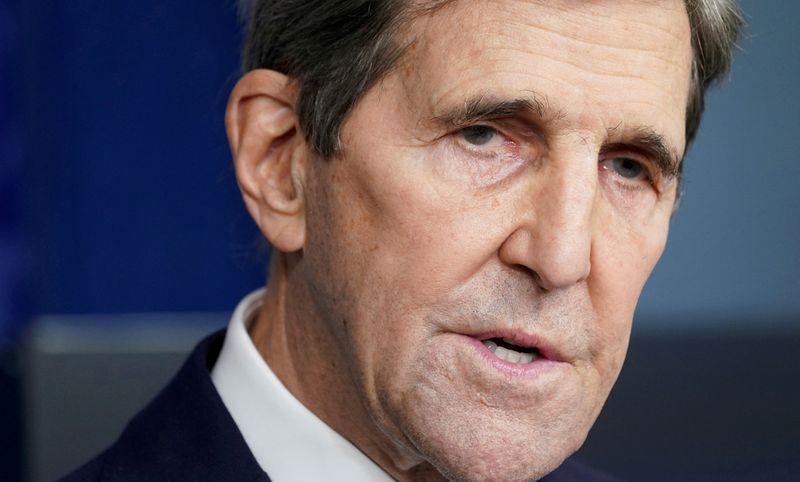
<point x="270" y="156"/>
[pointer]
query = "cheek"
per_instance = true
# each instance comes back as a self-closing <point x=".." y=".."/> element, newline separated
<point x="623" y="257"/>
<point x="626" y="247"/>
<point x="624" y="282"/>
<point x="375" y="257"/>
<point x="406" y="233"/>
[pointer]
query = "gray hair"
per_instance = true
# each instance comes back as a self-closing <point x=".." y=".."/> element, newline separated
<point x="336" y="49"/>
<point x="716" y="26"/>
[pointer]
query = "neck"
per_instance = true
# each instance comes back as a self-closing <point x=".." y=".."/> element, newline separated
<point x="301" y="349"/>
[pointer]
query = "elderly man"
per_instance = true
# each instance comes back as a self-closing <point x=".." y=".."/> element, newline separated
<point x="464" y="200"/>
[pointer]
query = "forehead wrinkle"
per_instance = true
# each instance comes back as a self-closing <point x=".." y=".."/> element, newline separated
<point x="505" y="30"/>
<point x="650" y="65"/>
<point x="593" y="14"/>
<point x="510" y="24"/>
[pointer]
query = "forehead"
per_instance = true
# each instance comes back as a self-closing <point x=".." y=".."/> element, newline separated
<point x="595" y="63"/>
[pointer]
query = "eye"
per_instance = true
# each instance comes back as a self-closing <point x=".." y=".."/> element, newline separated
<point x="481" y="136"/>
<point x="627" y="168"/>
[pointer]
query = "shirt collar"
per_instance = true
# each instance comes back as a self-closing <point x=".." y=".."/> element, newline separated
<point x="287" y="439"/>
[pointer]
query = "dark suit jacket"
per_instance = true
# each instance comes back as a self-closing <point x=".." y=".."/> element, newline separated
<point x="187" y="434"/>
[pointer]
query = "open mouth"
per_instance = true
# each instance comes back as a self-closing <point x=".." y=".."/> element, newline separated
<point x="505" y="350"/>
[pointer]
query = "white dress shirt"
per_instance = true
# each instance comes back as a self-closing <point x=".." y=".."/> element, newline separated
<point x="289" y="442"/>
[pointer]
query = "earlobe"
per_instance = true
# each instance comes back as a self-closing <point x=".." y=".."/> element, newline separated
<point x="269" y="156"/>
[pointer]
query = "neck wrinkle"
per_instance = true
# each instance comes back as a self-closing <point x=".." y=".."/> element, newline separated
<point x="292" y="339"/>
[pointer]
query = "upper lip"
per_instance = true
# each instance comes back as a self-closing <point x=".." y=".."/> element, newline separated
<point x="544" y="346"/>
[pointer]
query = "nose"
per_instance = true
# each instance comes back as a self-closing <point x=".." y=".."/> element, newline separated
<point x="552" y="235"/>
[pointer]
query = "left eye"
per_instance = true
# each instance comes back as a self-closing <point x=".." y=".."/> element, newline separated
<point x="479" y="136"/>
<point x="625" y="167"/>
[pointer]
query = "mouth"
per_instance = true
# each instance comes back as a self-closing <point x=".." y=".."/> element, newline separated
<point x="506" y="350"/>
<point x="516" y="353"/>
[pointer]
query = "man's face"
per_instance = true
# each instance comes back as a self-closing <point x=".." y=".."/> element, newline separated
<point x="509" y="180"/>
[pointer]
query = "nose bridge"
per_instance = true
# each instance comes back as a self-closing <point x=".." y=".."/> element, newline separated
<point x="555" y="239"/>
<point x="562" y="227"/>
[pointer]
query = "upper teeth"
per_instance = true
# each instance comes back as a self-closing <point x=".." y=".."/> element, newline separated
<point x="508" y="354"/>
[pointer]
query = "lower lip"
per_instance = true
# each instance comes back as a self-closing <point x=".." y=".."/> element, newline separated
<point x="536" y="368"/>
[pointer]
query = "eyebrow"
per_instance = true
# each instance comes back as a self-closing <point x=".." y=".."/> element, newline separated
<point x="484" y="107"/>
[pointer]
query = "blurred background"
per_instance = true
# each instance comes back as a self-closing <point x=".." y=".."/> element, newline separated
<point x="123" y="240"/>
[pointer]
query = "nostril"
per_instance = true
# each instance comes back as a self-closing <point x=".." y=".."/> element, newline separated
<point x="539" y="281"/>
<point x="531" y="275"/>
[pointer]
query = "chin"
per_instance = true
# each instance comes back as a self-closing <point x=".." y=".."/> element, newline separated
<point x="480" y="449"/>
<point x="473" y="423"/>
<point x="493" y="460"/>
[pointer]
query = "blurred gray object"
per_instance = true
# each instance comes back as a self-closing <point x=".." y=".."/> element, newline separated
<point x="707" y="404"/>
<point x="690" y="405"/>
<point x="84" y="377"/>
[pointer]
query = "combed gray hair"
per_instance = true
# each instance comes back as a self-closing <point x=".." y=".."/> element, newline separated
<point x="716" y="27"/>
<point x="336" y="49"/>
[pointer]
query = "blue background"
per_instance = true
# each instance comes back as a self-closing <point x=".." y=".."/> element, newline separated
<point x="117" y="192"/>
<point x="131" y="202"/>
<point x="734" y="248"/>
